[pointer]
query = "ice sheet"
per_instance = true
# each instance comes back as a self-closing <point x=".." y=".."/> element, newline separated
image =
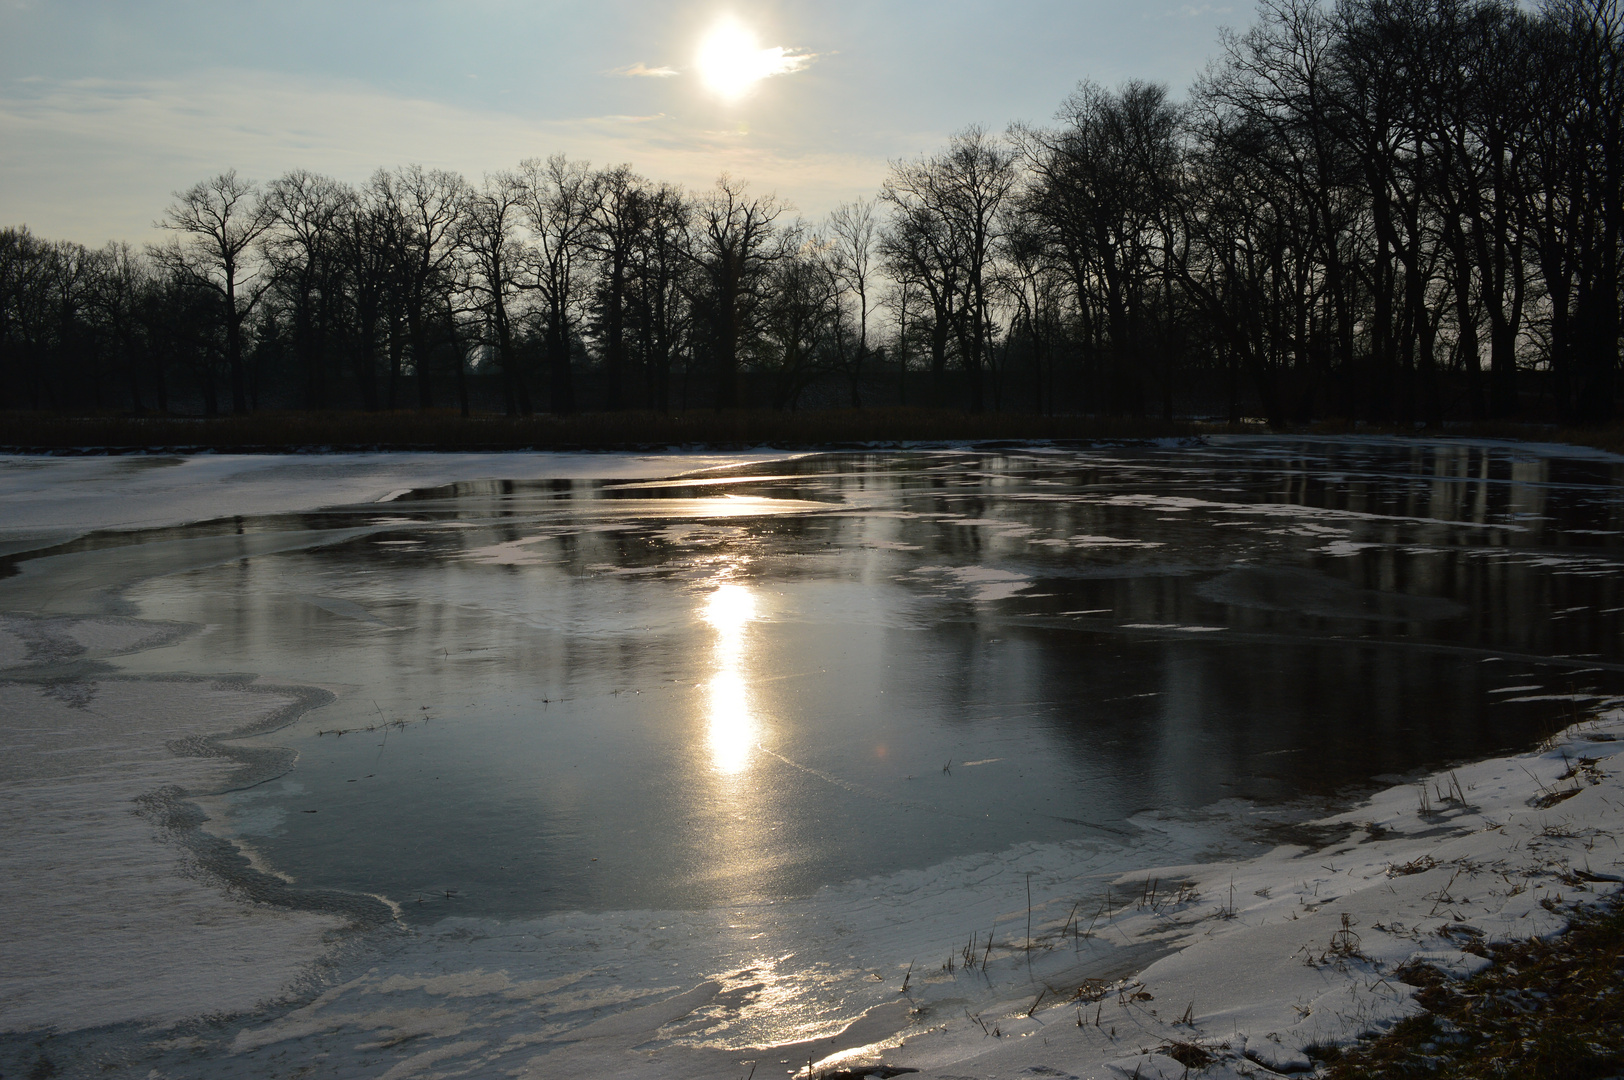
<point x="59" y="497"/>
<point x="109" y="918"/>
<point x="1256" y="952"/>
<point x="1255" y="949"/>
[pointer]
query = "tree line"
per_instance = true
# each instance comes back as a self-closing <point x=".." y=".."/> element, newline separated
<point x="1392" y="210"/>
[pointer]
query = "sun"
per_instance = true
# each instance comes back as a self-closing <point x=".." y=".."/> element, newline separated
<point x="730" y="60"/>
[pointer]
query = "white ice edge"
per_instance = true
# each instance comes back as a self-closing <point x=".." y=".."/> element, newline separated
<point x="60" y="497"/>
<point x="1252" y="948"/>
<point x="1517" y="446"/>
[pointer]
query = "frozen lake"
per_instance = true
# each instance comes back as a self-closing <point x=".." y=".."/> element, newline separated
<point x="786" y="727"/>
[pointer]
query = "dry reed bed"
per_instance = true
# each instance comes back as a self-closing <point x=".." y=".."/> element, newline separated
<point x="290" y="432"/>
<point x="293" y="431"/>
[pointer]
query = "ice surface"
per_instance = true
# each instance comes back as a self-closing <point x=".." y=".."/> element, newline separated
<point x="57" y="497"/>
<point x="111" y="915"/>
<point x="118" y="920"/>
<point x="108" y="919"/>
<point x="1251" y="949"/>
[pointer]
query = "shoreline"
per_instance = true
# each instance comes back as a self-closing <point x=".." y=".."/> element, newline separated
<point x="1284" y="956"/>
<point x="703" y="430"/>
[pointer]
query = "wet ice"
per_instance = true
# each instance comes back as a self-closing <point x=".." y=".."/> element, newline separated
<point x="777" y="732"/>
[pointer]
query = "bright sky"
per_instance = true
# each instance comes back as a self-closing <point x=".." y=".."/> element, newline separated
<point x="107" y="106"/>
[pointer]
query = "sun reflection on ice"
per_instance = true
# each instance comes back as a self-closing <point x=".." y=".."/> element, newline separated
<point x="732" y="728"/>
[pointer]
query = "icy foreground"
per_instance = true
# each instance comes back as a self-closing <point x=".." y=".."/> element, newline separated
<point x="1266" y="957"/>
<point x="107" y="920"/>
<point x="120" y="910"/>
<point x="1260" y="959"/>
<point x="109" y="917"/>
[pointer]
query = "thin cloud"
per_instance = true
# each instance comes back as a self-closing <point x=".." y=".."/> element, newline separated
<point x="781" y="61"/>
<point x="98" y="158"/>
<point x="643" y="71"/>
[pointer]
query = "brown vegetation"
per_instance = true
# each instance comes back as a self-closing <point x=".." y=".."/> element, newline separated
<point x="1546" y="1010"/>
<point x="289" y="432"/>
<point x="445" y="430"/>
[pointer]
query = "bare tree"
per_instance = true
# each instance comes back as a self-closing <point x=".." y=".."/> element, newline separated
<point x="1264" y="118"/>
<point x="1033" y="279"/>
<point x="664" y="317"/>
<point x="800" y="318"/>
<point x="122" y="276"/>
<point x="428" y="205"/>
<point x="1103" y="181"/>
<point x="736" y="244"/>
<point x="367" y="238"/>
<point x="490" y="237"/>
<point x="905" y="298"/>
<point x="921" y="252"/>
<point x="1380" y="209"/>
<point x="962" y="188"/>
<point x="559" y="198"/>
<point x="619" y="222"/>
<point x="303" y="251"/>
<point x="851" y="240"/>
<point x="1575" y="204"/>
<point x="218" y="223"/>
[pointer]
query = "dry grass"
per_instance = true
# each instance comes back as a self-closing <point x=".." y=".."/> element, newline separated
<point x="1546" y="1010"/>
<point x="1414" y="866"/>
<point x="815" y="429"/>
<point x="1610" y="437"/>
<point x="293" y="431"/>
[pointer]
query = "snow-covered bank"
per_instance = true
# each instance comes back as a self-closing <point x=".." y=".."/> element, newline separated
<point x="1304" y="946"/>
<point x="56" y="498"/>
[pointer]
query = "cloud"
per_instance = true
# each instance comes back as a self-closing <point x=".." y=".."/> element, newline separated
<point x="93" y="159"/>
<point x="643" y="71"/>
<point x="781" y="61"/>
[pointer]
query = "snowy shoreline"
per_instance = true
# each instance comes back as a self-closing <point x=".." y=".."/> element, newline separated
<point x="1300" y="947"/>
<point x="1257" y="966"/>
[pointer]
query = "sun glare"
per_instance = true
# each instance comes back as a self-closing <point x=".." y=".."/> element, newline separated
<point x="731" y="60"/>
<point x="732" y="727"/>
